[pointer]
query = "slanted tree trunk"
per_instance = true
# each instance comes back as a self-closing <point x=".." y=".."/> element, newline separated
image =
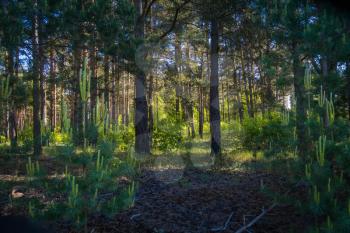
<point x="214" y="109"/>
<point x="141" y="109"/>
<point x="36" y="80"/>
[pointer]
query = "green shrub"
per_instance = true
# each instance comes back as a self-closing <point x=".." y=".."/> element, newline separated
<point x="167" y="136"/>
<point x="58" y="137"/>
<point x="95" y="191"/>
<point x="252" y="133"/>
<point x="274" y="136"/>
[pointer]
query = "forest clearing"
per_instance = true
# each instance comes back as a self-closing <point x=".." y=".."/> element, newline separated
<point x="170" y="116"/>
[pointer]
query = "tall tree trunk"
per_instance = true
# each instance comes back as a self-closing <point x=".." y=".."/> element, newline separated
<point x="188" y="95"/>
<point x="36" y="83"/>
<point x="178" y="89"/>
<point x="348" y="86"/>
<point x="237" y="89"/>
<point x="223" y="102"/>
<point x="93" y="72"/>
<point x="246" y="92"/>
<point x="12" y="124"/>
<point x="250" y="87"/>
<point x="106" y="86"/>
<point x="150" y="107"/>
<point x="214" y="109"/>
<point x="301" y="128"/>
<point x="124" y="110"/>
<point x="77" y="109"/>
<point x="53" y="92"/>
<point x="228" y="102"/>
<point x="142" y="145"/>
<point x="43" y="110"/>
<point x="114" y="98"/>
<point x="200" y="100"/>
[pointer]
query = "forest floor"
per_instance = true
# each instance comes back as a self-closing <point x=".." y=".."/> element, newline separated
<point x="173" y="199"/>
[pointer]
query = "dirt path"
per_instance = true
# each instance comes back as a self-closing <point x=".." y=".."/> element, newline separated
<point x="203" y="201"/>
<point x="172" y="200"/>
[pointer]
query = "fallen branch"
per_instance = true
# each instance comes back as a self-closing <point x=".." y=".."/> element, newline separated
<point x="257" y="218"/>
<point x="134" y="216"/>
<point x="225" y="226"/>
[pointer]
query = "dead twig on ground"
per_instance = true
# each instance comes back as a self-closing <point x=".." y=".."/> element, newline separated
<point x="225" y="225"/>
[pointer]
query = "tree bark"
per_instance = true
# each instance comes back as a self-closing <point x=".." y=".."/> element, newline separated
<point x="214" y="109"/>
<point x="301" y="117"/>
<point x="114" y="95"/>
<point x="178" y="90"/>
<point x="200" y="100"/>
<point x="11" y="108"/>
<point x="93" y="70"/>
<point x="150" y="108"/>
<point x="106" y="87"/>
<point x="36" y="80"/>
<point x="142" y="145"/>
<point x="348" y="86"/>
<point x="77" y="108"/>
<point x="53" y="92"/>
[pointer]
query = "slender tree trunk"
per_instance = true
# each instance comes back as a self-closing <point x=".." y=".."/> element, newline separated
<point x="124" y="110"/>
<point x="106" y="86"/>
<point x="127" y="115"/>
<point x="214" y="109"/>
<point x="43" y="110"/>
<point x="13" y="129"/>
<point x="228" y="102"/>
<point x="200" y="100"/>
<point x="178" y="71"/>
<point x="36" y="80"/>
<point x="348" y="86"/>
<point x="53" y="92"/>
<point x="188" y="95"/>
<point x="77" y="109"/>
<point x="93" y="70"/>
<point x="301" y="128"/>
<point x="114" y="96"/>
<point x="150" y="108"/>
<point x="250" y="87"/>
<point x="222" y="102"/>
<point x="246" y="92"/>
<point x="141" y="109"/>
<point x="12" y="124"/>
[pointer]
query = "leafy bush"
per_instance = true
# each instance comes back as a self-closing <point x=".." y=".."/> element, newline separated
<point x="58" y="137"/>
<point x="252" y="133"/>
<point x="273" y="135"/>
<point x="167" y="136"/>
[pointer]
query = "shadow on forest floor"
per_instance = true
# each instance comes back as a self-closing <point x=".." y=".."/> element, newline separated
<point x="172" y="198"/>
